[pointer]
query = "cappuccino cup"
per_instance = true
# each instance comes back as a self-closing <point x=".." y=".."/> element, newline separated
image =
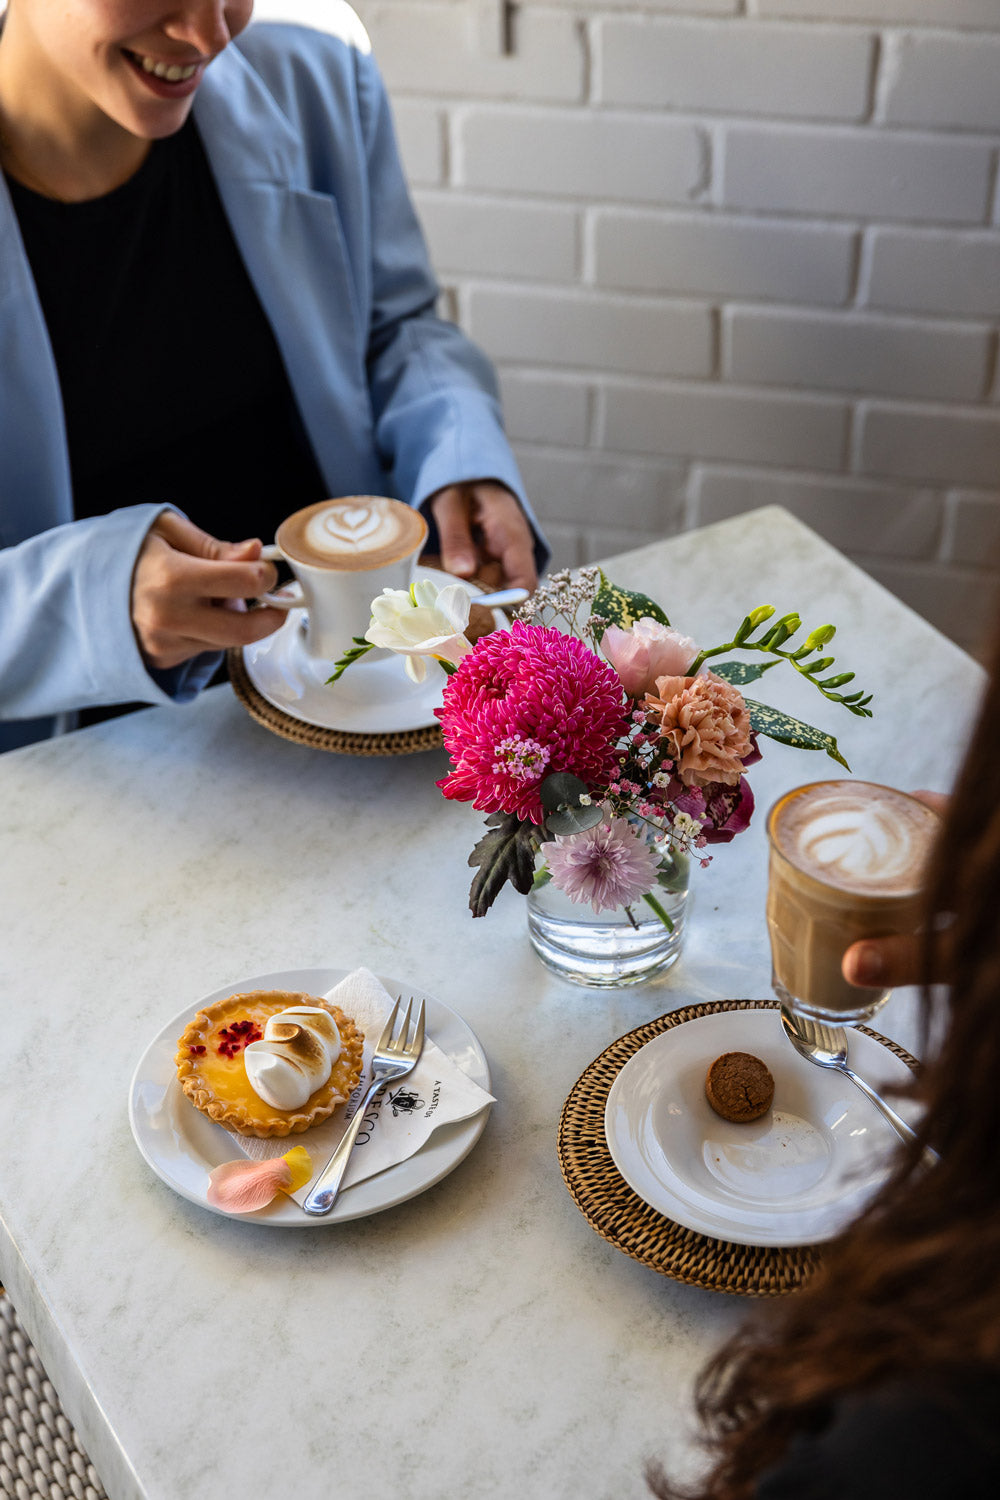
<point x="847" y="861"/>
<point x="343" y="553"/>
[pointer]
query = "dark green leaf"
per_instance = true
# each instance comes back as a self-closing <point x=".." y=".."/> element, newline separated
<point x="561" y="789"/>
<point x="506" y="852"/>
<point x="574" y="819"/>
<point x="778" y="726"/>
<point x="739" y="672"/>
<point x="622" y="608"/>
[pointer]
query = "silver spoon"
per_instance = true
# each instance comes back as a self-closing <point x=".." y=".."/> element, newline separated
<point x="502" y="598"/>
<point x="826" y="1046"/>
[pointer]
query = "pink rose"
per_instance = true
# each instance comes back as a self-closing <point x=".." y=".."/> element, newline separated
<point x="708" y="724"/>
<point x="644" y="653"/>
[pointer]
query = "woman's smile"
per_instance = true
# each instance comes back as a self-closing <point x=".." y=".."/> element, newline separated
<point x="167" y="78"/>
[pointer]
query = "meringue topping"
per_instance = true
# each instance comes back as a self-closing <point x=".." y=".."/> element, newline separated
<point x="295" y="1056"/>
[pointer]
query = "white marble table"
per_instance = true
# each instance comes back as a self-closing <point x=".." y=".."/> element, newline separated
<point x="479" y="1340"/>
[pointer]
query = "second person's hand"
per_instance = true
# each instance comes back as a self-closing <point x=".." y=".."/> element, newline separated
<point x="484" y="534"/>
<point x="886" y="963"/>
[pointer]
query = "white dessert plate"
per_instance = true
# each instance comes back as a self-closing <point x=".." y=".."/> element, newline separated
<point x="372" y="697"/>
<point x="182" y="1145"/>
<point x="795" y="1177"/>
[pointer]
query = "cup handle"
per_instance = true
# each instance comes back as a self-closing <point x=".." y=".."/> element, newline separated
<point x="290" y="595"/>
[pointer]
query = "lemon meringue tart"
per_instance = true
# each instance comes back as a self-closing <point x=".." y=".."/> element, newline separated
<point x="269" y="1062"/>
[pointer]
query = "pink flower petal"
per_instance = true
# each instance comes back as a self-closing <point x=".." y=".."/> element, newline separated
<point x="607" y="866"/>
<point x="240" y="1187"/>
<point x="534" y="685"/>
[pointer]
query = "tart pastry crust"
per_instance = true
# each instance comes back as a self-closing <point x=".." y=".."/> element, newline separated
<point x="217" y="1083"/>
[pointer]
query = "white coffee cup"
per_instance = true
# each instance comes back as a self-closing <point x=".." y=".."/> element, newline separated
<point x="343" y="553"/>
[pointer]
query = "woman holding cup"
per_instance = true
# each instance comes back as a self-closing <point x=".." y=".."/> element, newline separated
<point x="214" y="296"/>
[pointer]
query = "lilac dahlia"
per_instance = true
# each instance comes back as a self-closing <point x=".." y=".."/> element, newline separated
<point x="608" y="865"/>
<point x="524" y="703"/>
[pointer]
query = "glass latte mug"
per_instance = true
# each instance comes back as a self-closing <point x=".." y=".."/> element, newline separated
<point x="847" y="861"/>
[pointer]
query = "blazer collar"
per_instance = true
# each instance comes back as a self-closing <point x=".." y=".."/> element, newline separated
<point x="245" y="133"/>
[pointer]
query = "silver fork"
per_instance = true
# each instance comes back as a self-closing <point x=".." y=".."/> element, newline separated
<point x="394" y="1057"/>
<point x="826" y="1046"/>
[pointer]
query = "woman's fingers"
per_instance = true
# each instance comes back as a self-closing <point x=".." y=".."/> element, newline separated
<point x="188" y="591"/>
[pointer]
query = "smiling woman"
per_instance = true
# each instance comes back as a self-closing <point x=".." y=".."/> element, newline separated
<point x="215" y="299"/>
<point x="86" y="87"/>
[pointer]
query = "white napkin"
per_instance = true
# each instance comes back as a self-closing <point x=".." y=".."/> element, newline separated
<point x="401" y="1119"/>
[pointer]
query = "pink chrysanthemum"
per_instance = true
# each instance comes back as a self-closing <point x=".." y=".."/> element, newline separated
<point x="608" y="865"/>
<point x="534" y="686"/>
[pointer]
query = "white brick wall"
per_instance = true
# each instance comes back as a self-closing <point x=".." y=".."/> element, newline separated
<point x="726" y="253"/>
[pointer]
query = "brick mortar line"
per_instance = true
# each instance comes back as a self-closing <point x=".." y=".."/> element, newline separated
<point x="833" y="314"/>
<point x="667" y="385"/>
<point x="826" y="127"/>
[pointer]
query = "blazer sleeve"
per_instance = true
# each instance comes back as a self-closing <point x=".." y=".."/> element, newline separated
<point x="434" y="394"/>
<point x="66" y="637"/>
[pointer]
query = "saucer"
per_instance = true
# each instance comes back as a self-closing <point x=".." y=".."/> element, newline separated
<point x="796" y="1177"/>
<point x="374" y="696"/>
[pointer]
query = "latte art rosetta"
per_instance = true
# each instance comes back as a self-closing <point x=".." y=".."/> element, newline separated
<point x="857" y="839"/>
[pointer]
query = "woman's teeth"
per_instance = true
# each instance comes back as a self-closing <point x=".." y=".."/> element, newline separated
<point x="171" y="72"/>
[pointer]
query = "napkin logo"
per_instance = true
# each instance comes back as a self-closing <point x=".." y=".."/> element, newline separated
<point x="404" y="1103"/>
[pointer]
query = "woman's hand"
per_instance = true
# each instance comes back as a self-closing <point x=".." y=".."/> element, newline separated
<point x="484" y="534"/>
<point x="188" y="593"/>
<point x="885" y="963"/>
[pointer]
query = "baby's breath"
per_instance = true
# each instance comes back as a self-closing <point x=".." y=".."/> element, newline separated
<point x="561" y="597"/>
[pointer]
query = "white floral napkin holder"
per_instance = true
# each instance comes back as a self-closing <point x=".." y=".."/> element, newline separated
<point x="402" y="1118"/>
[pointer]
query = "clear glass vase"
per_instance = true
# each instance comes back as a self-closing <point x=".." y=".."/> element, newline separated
<point x="610" y="949"/>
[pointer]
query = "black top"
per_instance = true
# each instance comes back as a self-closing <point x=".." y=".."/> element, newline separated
<point x="932" y="1439"/>
<point x="172" y="382"/>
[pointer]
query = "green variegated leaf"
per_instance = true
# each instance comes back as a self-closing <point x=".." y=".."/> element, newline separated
<point x="620" y="607"/>
<point x="740" y="672"/>
<point x="778" y="726"/>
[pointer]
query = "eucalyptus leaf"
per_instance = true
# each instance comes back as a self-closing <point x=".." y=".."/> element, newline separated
<point x="561" y="789"/>
<point x="622" y="608"/>
<point x="780" y="726"/>
<point x="506" y="852"/>
<point x="740" y="672"/>
<point x="574" y="819"/>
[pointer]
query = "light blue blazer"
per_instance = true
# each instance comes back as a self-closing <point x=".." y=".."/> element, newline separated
<point x="297" y="129"/>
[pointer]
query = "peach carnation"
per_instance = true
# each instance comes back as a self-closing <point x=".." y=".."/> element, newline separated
<point x="708" y="724"/>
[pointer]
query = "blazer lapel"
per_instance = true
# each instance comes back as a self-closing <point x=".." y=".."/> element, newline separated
<point x="34" y="462"/>
<point x="294" y="250"/>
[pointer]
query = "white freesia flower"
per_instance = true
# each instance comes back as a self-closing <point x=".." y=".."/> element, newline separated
<point x="422" y="621"/>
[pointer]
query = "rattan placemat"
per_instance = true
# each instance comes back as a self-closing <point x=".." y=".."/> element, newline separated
<point x="340" y="741"/>
<point x="620" y="1216"/>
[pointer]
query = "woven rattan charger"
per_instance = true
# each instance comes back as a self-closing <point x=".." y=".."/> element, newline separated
<point x="340" y="741"/>
<point x="620" y="1216"/>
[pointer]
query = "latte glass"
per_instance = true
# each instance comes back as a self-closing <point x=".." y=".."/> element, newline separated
<point x="847" y="861"/>
<point x="343" y="553"/>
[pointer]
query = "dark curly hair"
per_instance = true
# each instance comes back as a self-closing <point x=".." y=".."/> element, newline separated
<point x="913" y="1287"/>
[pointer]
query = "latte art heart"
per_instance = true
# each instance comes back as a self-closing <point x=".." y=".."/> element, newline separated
<point x="363" y="528"/>
<point x="353" y="534"/>
<point x="348" y="524"/>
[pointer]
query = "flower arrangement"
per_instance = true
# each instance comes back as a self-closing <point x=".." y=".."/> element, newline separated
<point x="595" y="735"/>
